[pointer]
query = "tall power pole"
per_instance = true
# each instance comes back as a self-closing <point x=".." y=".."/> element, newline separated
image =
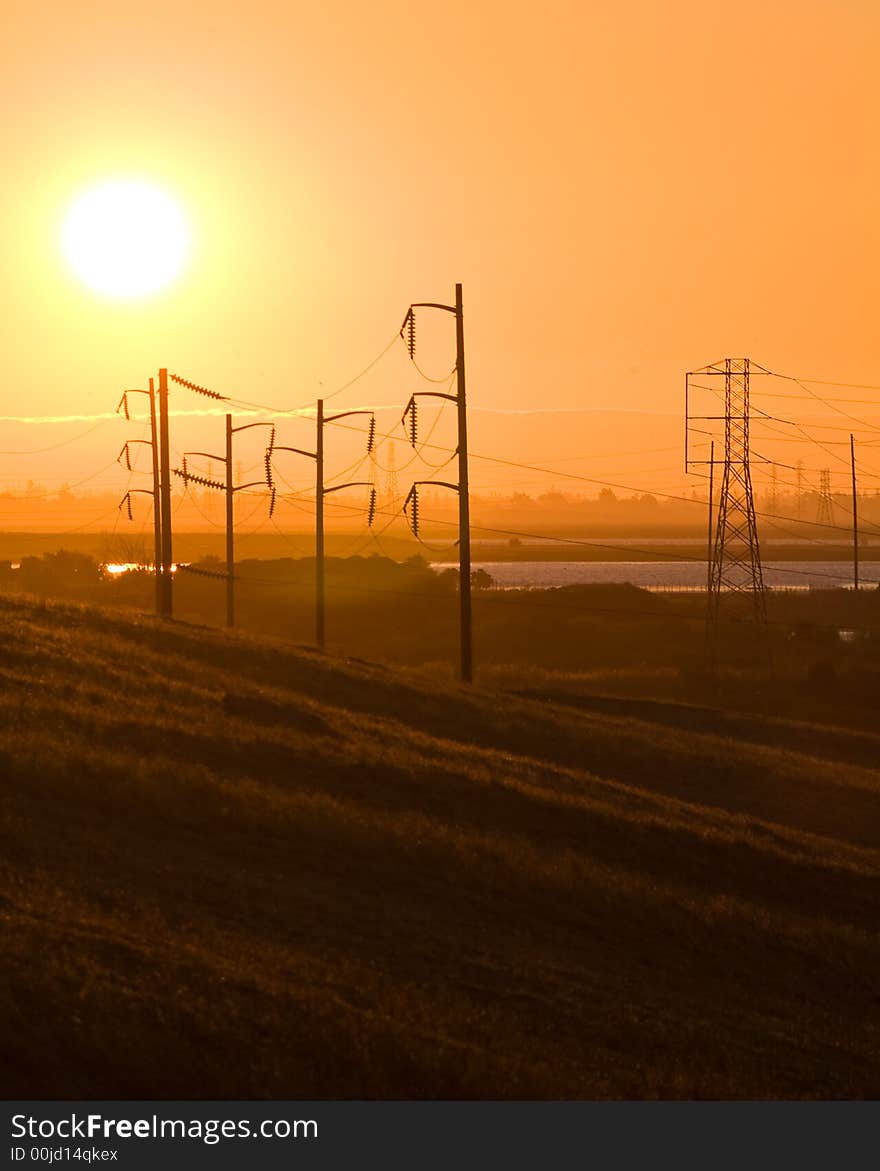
<point x="320" y="575"/>
<point x="736" y="556"/>
<point x="157" y="502"/>
<point x="408" y="329"/>
<point x="228" y="486"/>
<point x="855" y="512"/>
<point x="464" y="500"/>
<point x="153" y="444"/>
<point x="230" y="529"/>
<point x="711" y="501"/>
<point x="799" y="475"/>
<point x="167" y="608"/>
<point x="321" y="420"/>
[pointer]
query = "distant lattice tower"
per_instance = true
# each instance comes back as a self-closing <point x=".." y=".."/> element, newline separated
<point x="825" y="508"/>
<point x="736" y="556"/>
<point x="774" y="490"/>
<point x="799" y="472"/>
<point x="391" y="490"/>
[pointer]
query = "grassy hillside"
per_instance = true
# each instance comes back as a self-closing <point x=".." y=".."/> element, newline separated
<point x="233" y="869"/>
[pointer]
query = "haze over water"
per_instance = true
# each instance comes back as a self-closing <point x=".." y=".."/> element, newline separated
<point x="666" y="574"/>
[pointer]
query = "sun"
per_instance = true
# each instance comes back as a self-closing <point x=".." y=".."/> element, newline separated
<point x="125" y="238"/>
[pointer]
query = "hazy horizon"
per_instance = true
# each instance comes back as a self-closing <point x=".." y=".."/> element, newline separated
<point x="624" y="194"/>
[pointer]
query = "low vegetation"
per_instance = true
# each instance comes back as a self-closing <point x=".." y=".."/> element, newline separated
<point x="234" y="868"/>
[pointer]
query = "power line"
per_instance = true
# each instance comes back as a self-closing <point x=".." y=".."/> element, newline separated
<point x="325" y="396"/>
<point x="657" y="555"/>
<point x="499" y="597"/>
<point x="64" y="442"/>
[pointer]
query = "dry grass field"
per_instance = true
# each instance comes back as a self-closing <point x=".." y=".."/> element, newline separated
<point x="233" y="869"/>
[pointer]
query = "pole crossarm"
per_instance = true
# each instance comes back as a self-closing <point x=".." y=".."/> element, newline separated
<point x="123" y="402"/>
<point x="408" y="327"/>
<point x="297" y="451"/>
<point x="412" y="499"/>
<point x="126" y="499"/>
<point x="186" y="475"/>
<point x="371" y="435"/>
<point x="434" y="484"/>
<point x="350" y="484"/>
<point x="250" y="484"/>
<point x="452" y="398"/>
<point x="722" y="369"/>
<point x="345" y="415"/>
<point x="246" y="426"/>
<point x="191" y="477"/>
<point x="411" y="411"/>
<point x="205" y="455"/>
<point x="371" y="507"/>
<point x="719" y="369"/>
<point x="123" y="451"/>
<point x="756" y="459"/>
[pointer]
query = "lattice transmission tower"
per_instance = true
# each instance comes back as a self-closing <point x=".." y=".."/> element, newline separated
<point x="825" y="507"/>
<point x="799" y="475"/>
<point x="735" y="560"/>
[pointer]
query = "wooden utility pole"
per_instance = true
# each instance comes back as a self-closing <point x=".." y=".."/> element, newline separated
<point x="167" y="606"/>
<point x="320" y="600"/>
<point x="855" y="513"/>
<point x="711" y="494"/>
<point x="408" y="329"/>
<point x="230" y="529"/>
<point x="228" y="486"/>
<point x="157" y="503"/>
<point x="464" y="511"/>
<point x="321" y="420"/>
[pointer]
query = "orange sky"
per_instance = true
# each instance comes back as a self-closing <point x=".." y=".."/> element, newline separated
<point x="625" y="189"/>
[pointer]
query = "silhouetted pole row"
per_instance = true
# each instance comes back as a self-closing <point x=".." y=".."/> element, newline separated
<point x="462" y="487"/>
<point x="855" y="513"/>
<point x="321" y="420"/>
<point x="162" y="487"/>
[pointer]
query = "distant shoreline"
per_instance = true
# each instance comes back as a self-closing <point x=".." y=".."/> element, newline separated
<point x="609" y="549"/>
<point x="124" y="546"/>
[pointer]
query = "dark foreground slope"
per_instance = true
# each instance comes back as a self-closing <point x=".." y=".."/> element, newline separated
<point x="235" y="870"/>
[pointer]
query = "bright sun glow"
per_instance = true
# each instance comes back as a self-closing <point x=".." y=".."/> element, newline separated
<point x="125" y="239"/>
